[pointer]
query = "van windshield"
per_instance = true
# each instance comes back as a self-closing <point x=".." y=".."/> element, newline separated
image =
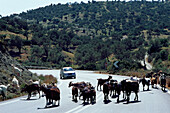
<point x="68" y="69"/>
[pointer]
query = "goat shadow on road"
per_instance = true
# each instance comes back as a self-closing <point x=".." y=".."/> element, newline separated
<point x="53" y="106"/>
<point x="114" y="96"/>
<point x="125" y="102"/>
<point x="165" y="91"/>
<point x="75" y="100"/>
<point x="146" y="90"/>
<point x="130" y="102"/>
<point x="120" y="101"/>
<point x="29" y="99"/>
<point x="87" y="103"/>
<point x="107" y="101"/>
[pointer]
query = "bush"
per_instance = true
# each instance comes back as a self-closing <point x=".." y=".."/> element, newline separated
<point x="10" y="95"/>
<point x="41" y="77"/>
<point x="150" y="58"/>
<point x="50" y="79"/>
<point x="168" y="82"/>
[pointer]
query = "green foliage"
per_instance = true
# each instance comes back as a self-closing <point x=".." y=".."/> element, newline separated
<point x="132" y="17"/>
<point x="11" y="95"/>
<point x="14" y="24"/>
<point x="159" y="66"/>
<point x="41" y="77"/>
<point x="100" y="65"/>
<point x="163" y="55"/>
<point x="17" y="42"/>
<point x="156" y="52"/>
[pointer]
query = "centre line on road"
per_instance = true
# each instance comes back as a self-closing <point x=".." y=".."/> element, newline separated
<point x="74" y="109"/>
<point x="59" y="83"/>
<point x="83" y="107"/>
<point x="9" y="102"/>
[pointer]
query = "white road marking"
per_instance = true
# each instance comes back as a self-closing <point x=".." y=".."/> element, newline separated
<point x="84" y="107"/>
<point x="9" y="102"/>
<point x="99" y="97"/>
<point x="168" y="91"/>
<point x="81" y="108"/>
<point x="74" y="109"/>
<point x="59" y="84"/>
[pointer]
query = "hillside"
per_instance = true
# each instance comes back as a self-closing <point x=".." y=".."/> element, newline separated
<point x="10" y="68"/>
<point x="104" y="18"/>
<point x="87" y="35"/>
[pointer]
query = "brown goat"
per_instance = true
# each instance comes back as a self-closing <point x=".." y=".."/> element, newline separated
<point x="31" y="88"/>
<point x="51" y="94"/>
<point x="102" y="81"/>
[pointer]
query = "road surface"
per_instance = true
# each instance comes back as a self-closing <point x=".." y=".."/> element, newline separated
<point x="153" y="101"/>
<point x="148" y="65"/>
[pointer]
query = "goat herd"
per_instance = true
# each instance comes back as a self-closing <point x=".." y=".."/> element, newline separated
<point x="114" y="88"/>
<point x="87" y="92"/>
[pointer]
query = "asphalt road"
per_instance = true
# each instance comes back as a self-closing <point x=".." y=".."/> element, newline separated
<point x="153" y="101"/>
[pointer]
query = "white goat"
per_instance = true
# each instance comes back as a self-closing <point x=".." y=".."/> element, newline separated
<point x="37" y="82"/>
<point x="3" y="90"/>
<point x="15" y="82"/>
<point x="34" y="82"/>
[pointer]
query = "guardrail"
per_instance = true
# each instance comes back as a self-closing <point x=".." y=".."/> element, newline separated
<point x="36" y="67"/>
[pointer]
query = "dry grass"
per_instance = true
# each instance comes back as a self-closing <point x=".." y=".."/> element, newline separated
<point x="11" y="33"/>
<point x="8" y="34"/>
<point x="50" y="79"/>
<point x="68" y="54"/>
<point x="168" y="82"/>
<point x="138" y="74"/>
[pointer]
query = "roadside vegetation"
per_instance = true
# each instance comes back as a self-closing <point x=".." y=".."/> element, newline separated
<point x="14" y="93"/>
<point x="48" y="79"/>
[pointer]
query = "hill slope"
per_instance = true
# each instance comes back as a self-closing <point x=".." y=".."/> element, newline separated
<point x="10" y="68"/>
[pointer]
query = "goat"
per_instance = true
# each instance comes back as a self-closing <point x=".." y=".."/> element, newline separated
<point x="31" y="88"/>
<point x="51" y="94"/>
<point x="102" y="81"/>
<point x="3" y="91"/>
<point x="15" y="82"/>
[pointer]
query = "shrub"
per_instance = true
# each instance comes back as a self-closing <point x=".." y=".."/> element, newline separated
<point x="168" y="82"/>
<point x="10" y="95"/>
<point x="50" y="79"/>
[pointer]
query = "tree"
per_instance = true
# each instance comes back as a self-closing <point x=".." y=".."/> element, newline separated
<point x="54" y="36"/>
<point x="16" y="41"/>
<point x="64" y="41"/>
<point x="155" y="47"/>
<point x="26" y="34"/>
<point x="164" y="55"/>
<point x="2" y="37"/>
